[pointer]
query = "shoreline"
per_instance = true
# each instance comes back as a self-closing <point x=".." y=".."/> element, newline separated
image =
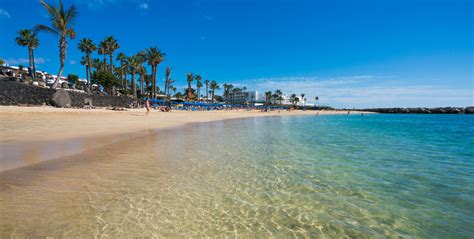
<point x="33" y="124"/>
<point x="32" y="135"/>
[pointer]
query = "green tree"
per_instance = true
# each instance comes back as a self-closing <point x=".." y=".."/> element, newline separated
<point x="2" y="62"/>
<point x="72" y="78"/>
<point x="103" y="50"/>
<point x="112" y="45"/>
<point x="105" y="79"/>
<point x="302" y="98"/>
<point x="87" y="46"/>
<point x="154" y="57"/>
<point x="207" y="89"/>
<point x="268" y="97"/>
<point x="213" y="86"/>
<point x="122" y="58"/>
<point x="28" y="38"/>
<point x="189" y="79"/>
<point x="198" y="86"/>
<point x="133" y="63"/>
<point x="61" y="26"/>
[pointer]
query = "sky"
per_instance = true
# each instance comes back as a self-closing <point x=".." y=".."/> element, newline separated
<point x="364" y="53"/>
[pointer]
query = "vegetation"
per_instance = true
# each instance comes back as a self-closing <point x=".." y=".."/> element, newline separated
<point x="2" y="62"/>
<point x="61" y="22"/>
<point x="124" y="74"/>
<point x="72" y="78"/>
<point x="87" y="46"/>
<point x="105" y="79"/>
<point x="28" y="38"/>
<point x="154" y="57"/>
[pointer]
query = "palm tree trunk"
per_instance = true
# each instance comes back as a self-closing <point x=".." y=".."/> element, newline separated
<point x="62" y="59"/>
<point x="32" y="64"/>
<point x="88" y="73"/>
<point x="153" y="69"/>
<point x="134" y="85"/>
<point x="111" y="63"/>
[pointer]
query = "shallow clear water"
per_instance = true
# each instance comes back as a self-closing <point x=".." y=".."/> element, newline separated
<point x="327" y="176"/>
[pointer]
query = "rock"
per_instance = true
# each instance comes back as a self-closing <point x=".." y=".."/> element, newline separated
<point x="469" y="110"/>
<point x="88" y="101"/>
<point x="61" y="99"/>
<point x="65" y="85"/>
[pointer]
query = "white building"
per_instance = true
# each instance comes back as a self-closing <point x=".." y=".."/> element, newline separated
<point x="245" y="97"/>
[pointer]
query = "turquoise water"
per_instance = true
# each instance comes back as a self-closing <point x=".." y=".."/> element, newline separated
<point x="341" y="176"/>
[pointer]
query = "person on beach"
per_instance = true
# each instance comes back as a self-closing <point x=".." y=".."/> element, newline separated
<point x="147" y="105"/>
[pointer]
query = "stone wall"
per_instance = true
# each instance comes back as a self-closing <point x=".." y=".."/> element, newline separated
<point x="16" y="93"/>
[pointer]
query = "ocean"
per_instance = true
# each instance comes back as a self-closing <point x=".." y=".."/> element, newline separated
<point x="370" y="176"/>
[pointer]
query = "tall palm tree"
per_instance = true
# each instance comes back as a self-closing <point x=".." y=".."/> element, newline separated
<point x="213" y="86"/>
<point x="207" y="89"/>
<point x="142" y="71"/>
<point x="133" y="63"/>
<point x="316" y="98"/>
<point x="103" y="50"/>
<point x="167" y="80"/>
<point x="279" y="96"/>
<point x="112" y="45"/>
<point x="122" y="58"/>
<point x="302" y="98"/>
<point x="198" y="86"/>
<point x="87" y="46"/>
<point x="61" y="21"/>
<point x="268" y="97"/>
<point x="154" y="57"/>
<point x="96" y="63"/>
<point x="189" y="79"/>
<point x="28" y="38"/>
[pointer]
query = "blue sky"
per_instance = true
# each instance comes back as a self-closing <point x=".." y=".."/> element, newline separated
<point x="367" y="53"/>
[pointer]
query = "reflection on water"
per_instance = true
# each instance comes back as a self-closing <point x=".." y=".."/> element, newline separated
<point x="265" y="177"/>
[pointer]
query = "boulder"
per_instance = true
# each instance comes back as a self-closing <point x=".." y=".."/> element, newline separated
<point x="88" y="101"/>
<point x="469" y="110"/>
<point x="65" y="85"/>
<point x="61" y="99"/>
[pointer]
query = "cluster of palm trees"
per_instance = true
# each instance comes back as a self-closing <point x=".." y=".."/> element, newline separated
<point x="61" y="23"/>
<point x="134" y="65"/>
<point x="195" y="95"/>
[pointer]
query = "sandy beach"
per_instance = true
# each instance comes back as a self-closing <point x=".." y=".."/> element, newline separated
<point x="27" y="124"/>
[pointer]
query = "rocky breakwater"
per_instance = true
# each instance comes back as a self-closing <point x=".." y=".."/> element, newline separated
<point x="17" y="93"/>
<point x="421" y="110"/>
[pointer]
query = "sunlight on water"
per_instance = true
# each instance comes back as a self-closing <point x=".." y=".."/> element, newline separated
<point x="328" y="176"/>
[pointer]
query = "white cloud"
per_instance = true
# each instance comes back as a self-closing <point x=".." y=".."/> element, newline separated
<point x="143" y="6"/>
<point x="4" y="13"/>
<point x="22" y="61"/>
<point x="368" y="91"/>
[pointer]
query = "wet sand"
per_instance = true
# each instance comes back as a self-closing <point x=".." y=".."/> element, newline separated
<point x="30" y="135"/>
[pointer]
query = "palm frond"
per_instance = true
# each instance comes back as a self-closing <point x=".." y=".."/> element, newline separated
<point x="43" y="28"/>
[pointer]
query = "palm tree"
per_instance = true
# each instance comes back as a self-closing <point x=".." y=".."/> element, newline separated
<point x="87" y="46"/>
<point x="96" y="63"/>
<point x="213" y="86"/>
<point x="207" y="89"/>
<point x="302" y="98"/>
<point x="154" y="57"/>
<point x="268" y="97"/>
<point x="29" y="39"/>
<point x="112" y="45"/>
<point x="134" y="62"/>
<point x="61" y="20"/>
<point x="167" y="80"/>
<point x="198" y="86"/>
<point x="122" y="58"/>
<point x="279" y="96"/>
<point x="142" y="71"/>
<point x="316" y="98"/>
<point x="103" y="50"/>
<point x="189" y="79"/>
